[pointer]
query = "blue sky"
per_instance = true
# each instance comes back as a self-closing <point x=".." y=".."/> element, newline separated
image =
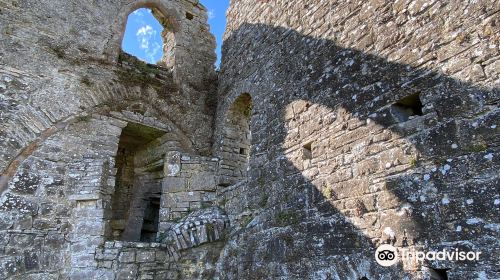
<point x="143" y="32"/>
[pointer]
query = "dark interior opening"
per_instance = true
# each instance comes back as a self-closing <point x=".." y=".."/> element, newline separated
<point x="407" y="107"/>
<point x="151" y="219"/>
<point x="127" y="203"/>
<point x="189" y="16"/>
<point x="307" y="151"/>
<point x="438" y="274"/>
<point x="243" y="151"/>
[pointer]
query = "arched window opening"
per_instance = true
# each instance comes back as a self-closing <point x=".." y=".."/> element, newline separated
<point x="236" y="141"/>
<point x="149" y="37"/>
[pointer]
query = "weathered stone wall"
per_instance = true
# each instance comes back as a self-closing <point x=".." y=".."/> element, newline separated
<point x="66" y="94"/>
<point x="60" y="59"/>
<point x="338" y="163"/>
<point x="370" y="121"/>
<point x="189" y="184"/>
<point x="234" y="142"/>
<point x="126" y="260"/>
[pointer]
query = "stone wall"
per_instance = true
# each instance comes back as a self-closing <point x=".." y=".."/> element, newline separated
<point x="189" y="184"/>
<point x="234" y="142"/>
<point x="340" y="125"/>
<point x="126" y="260"/>
<point x="66" y="95"/>
<point x="61" y="58"/>
<point x="373" y="122"/>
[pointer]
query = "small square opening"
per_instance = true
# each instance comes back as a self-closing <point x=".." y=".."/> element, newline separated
<point x="243" y="151"/>
<point x="438" y="274"/>
<point x="307" y="151"/>
<point x="189" y="16"/>
<point x="407" y="107"/>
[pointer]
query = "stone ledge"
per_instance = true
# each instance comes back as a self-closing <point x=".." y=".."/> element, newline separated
<point x="84" y="197"/>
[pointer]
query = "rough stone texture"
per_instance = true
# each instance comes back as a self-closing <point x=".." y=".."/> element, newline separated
<point x="66" y="96"/>
<point x="340" y="125"/>
<point x="334" y="168"/>
<point x="235" y="142"/>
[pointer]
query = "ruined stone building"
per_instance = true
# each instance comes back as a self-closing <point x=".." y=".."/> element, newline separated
<point x="331" y="128"/>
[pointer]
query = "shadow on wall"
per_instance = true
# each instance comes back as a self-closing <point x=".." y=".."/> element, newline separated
<point x="350" y="151"/>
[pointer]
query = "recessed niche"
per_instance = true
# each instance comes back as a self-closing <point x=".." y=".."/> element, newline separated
<point x="307" y="151"/>
<point x="236" y="144"/>
<point x="135" y="205"/>
<point x="438" y="274"/>
<point x="189" y="16"/>
<point x="150" y="219"/>
<point x="406" y="108"/>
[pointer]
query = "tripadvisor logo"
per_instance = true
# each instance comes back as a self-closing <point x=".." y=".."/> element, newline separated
<point x="387" y="255"/>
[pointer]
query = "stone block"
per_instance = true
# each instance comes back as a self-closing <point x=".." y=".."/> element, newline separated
<point x="145" y="256"/>
<point x="127" y="272"/>
<point x="127" y="257"/>
<point x="172" y="164"/>
<point x="203" y="181"/>
<point x="162" y="256"/>
<point x="189" y="196"/>
<point x="174" y="184"/>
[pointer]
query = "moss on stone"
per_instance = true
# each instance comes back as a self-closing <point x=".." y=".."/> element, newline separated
<point x="288" y="217"/>
<point x="477" y="148"/>
<point x="245" y="220"/>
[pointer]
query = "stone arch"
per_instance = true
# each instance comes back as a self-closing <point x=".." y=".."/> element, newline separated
<point x="235" y="144"/>
<point x="167" y="16"/>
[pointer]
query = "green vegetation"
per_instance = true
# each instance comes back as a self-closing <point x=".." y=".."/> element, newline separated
<point x="261" y="181"/>
<point x="327" y="192"/>
<point x="223" y="202"/>
<point x="263" y="200"/>
<point x="477" y="148"/>
<point x="286" y="218"/>
<point x="248" y="110"/>
<point x="140" y="74"/>
<point x="245" y="220"/>
<point x="161" y="237"/>
<point x="82" y="118"/>
<point x="86" y="81"/>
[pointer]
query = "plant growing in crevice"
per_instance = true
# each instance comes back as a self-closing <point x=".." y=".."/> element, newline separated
<point x="413" y="162"/>
<point x="327" y="192"/>
<point x="248" y="110"/>
<point x="86" y="81"/>
<point x="263" y="200"/>
<point x="83" y="118"/>
<point x="245" y="220"/>
<point x="477" y="148"/>
<point x="287" y="217"/>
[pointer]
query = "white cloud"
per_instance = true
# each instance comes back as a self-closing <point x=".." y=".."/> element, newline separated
<point x="145" y="36"/>
<point x="211" y="14"/>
